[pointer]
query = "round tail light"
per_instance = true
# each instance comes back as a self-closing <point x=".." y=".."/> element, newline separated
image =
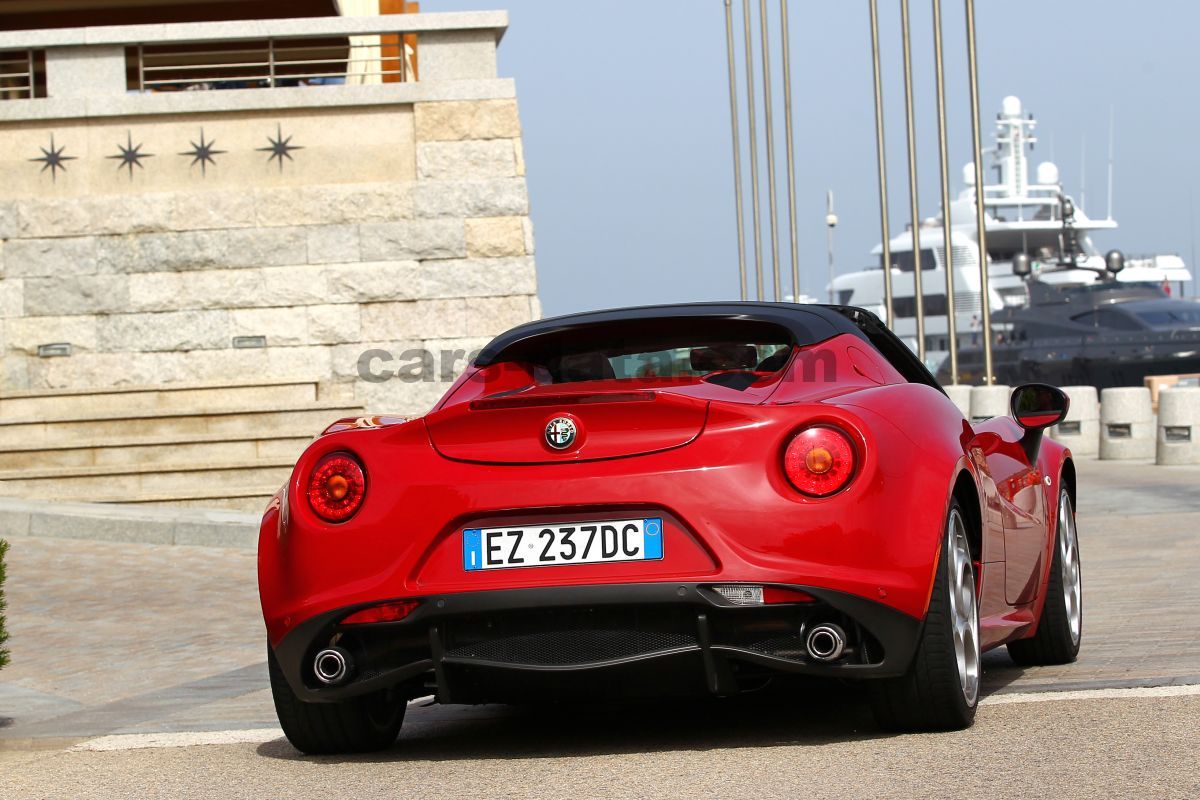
<point x="819" y="461"/>
<point x="336" y="487"/>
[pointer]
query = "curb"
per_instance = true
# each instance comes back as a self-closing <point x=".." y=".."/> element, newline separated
<point x="102" y="522"/>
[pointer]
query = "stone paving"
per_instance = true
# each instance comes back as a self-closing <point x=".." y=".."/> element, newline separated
<point x="116" y="638"/>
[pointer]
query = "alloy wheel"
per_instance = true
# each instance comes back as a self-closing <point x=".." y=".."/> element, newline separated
<point x="964" y="611"/>
<point x="1072" y="574"/>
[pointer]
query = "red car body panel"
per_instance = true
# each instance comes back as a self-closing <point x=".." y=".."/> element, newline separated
<point x="705" y="458"/>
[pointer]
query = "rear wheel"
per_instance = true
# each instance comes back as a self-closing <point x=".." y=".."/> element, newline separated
<point x="357" y="725"/>
<point x="1060" y="628"/>
<point x="941" y="688"/>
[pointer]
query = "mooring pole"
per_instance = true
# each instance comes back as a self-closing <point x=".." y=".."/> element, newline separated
<point x="753" y="129"/>
<point x="767" y="107"/>
<point x="980" y="221"/>
<point x="791" y="157"/>
<point x="948" y="251"/>
<point x="881" y="160"/>
<point x="737" y="149"/>
<point x="918" y="295"/>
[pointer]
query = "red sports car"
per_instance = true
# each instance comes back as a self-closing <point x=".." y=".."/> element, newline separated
<point x="686" y="498"/>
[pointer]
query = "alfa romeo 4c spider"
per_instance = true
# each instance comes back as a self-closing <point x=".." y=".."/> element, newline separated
<point x="674" y="499"/>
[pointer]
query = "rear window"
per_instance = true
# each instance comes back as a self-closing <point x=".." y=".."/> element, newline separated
<point x="655" y="348"/>
<point x="676" y="362"/>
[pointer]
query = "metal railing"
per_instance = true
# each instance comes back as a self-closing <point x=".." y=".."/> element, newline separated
<point x="19" y="71"/>
<point x="273" y="63"/>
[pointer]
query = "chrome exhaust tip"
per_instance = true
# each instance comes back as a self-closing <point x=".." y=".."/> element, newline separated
<point x="332" y="666"/>
<point x="826" y="642"/>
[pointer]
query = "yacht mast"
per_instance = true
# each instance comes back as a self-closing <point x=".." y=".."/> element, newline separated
<point x="1014" y="134"/>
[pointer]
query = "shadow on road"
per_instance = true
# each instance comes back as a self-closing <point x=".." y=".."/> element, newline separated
<point x="999" y="670"/>
<point x="809" y="712"/>
<point x="798" y="712"/>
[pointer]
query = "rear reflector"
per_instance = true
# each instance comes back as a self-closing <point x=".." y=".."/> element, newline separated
<point x="388" y="612"/>
<point x="759" y="595"/>
<point x="772" y="594"/>
<point x="741" y="595"/>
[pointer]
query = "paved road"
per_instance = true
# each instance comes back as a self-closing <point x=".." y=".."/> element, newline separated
<point x="1070" y="749"/>
<point x="143" y="639"/>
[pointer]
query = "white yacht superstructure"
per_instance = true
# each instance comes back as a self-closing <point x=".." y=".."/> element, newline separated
<point x="1020" y="217"/>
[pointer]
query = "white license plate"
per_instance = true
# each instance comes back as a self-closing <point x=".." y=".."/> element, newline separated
<point x="562" y="544"/>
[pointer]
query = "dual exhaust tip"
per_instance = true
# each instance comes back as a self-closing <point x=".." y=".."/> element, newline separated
<point x="825" y="642"/>
<point x="333" y="666"/>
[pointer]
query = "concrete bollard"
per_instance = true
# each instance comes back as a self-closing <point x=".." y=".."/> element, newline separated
<point x="960" y="395"/>
<point x="989" y="401"/>
<point x="1080" y="430"/>
<point x="1126" y="424"/>
<point x="1179" y="426"/>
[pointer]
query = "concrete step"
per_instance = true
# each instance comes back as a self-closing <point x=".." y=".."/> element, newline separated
<point x="235" y="422"/>
<point x="149" y="482"/>
<point x="106" y="522"/>
<point x="139" y="450"/>
<point x="250" y="504"/>
<point x="46" y="404"/>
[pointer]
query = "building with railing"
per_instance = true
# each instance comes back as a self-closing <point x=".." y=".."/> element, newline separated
<point x="205" y="201"/>
<point x="329" y="202"/>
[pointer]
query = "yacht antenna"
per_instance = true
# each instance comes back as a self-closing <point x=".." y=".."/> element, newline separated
<point x="831" y="222"/>
<point x="1192" y="227"/>
<point x="1083" y="173"/>
<point x="1110" y="161"/>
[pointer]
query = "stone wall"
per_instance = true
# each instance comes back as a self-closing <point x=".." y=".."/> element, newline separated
<point x="388" y="226"/>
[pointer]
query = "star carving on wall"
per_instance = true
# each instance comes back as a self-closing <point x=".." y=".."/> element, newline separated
<point x="202" y="153"/>
<point x="130" y="156"/>
<point x="280" y="148"/>
<point x="53" y="159"/>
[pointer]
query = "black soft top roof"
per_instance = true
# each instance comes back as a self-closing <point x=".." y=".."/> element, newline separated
<point x="807" y="324"/>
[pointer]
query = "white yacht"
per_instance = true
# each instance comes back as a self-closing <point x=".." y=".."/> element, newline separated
<point x="1020" y="217"/>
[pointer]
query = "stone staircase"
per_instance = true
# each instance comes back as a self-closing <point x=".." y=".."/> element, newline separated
<point x="203" y="446"/>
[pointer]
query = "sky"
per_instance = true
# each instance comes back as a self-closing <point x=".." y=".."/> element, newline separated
<point x="625" y="112"/>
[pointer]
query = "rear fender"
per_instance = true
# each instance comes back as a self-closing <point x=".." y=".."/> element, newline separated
<point x="933" y="438"/>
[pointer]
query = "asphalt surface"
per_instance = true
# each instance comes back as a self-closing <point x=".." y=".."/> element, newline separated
<point x="138" y="672"/>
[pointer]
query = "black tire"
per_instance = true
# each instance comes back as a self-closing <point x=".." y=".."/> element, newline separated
<point x="358" y="725"/>
<point x="930" y="696"/>
<point x="1055" y="642"/>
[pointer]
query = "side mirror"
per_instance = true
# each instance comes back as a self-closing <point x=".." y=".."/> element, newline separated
<point x="1035" y="407"/>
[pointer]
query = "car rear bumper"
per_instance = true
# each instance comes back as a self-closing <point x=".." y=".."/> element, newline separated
<point x="512" y="644"/>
